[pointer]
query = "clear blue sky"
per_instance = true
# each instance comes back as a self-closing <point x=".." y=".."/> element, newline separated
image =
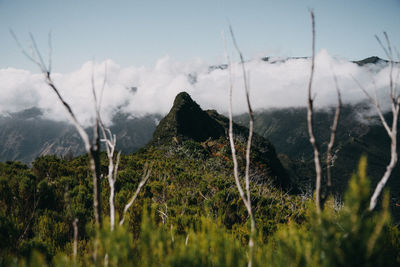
<point x="139" y="32"/>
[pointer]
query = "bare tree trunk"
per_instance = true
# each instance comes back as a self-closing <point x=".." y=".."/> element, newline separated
<point x="112" y="206"/>
<point x="112" y="175"/>
<point x="110" y="142"/>
<point x="75" y="250"/>
<point x="94" y="160"/>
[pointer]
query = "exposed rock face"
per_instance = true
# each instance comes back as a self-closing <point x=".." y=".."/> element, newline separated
<point x="186" y="120"/>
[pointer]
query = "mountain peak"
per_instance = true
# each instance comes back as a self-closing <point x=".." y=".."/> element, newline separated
<point x="183" y="98"/>
<point x="370" y="60"/>
<point x="186" y="120"/>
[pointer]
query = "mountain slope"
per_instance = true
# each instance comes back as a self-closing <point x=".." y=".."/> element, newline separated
<point x="188" y="125"/>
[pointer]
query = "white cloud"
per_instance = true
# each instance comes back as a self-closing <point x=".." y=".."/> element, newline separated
<point x="279" y="84"/>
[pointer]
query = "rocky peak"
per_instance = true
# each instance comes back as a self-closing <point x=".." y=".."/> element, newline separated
<point x="186" y="120"/>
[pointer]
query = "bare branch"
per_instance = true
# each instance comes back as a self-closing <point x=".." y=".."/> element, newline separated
<point x="333" y="134"/>
<point x="145" y="177"/>
<point x="246" y="199"/>
<point x="91" y="149"/>
<point x="392" y="133"/>
<point x="317" y="161"/>
<point x="396" y="80"/>
<point x="75" y="250"/>
<point x="382" y="46"/>
<point x="37" y="53"/>
<point x="374" y="100"/>
<point x="231" y="139"/>
<point x="110" y="141"/>
<point x="116" y="165"/>
<point x="25" y="53"/>
<point x="251" y="117"/>
<point x="103" y="86"/>
<point x="50" y="52"/>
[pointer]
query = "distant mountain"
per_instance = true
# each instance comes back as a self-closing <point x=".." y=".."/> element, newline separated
<point x="26" y="135"/>
<point x="370" y="60"/>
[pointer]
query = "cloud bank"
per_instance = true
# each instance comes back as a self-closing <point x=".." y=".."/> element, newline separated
<point x="139" y="90"/>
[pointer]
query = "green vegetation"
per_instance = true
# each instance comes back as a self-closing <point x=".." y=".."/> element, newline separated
<point x="189" y="213"/>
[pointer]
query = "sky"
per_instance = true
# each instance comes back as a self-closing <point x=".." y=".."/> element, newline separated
<point x="156" y="45"/>
<point x="140" y="32"/>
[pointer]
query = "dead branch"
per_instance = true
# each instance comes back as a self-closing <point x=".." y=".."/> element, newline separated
<point x="313" y="141"/>
<point x="110" y="141"/>
<point x="375" y="102"/>
<point x="317" y="160"/>
<point x="75" y="251"/>
<point x="390" y="130"/>
<point x="245" y="198"/>
<point x="333" y="134"/>
<point x="92" y="149"/>
<point x="145" y="177"/>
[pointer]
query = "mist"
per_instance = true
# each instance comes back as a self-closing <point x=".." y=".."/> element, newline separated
<point x="137" y="91"/>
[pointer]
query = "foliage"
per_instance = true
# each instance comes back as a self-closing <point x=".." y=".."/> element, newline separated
<point x="347" y="236"/>
<point x="188" y="214"/>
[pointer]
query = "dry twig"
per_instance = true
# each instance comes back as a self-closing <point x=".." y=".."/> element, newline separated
<point x="246" y="198"/>
<point x="390" y="130"/>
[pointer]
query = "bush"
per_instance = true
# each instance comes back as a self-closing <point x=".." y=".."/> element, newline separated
<point x="350" y="236"/>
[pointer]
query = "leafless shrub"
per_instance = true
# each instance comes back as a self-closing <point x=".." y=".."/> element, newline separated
<point x="92" y="146"/>
<point x="391" y="131"/>
<point x="313" y="141"/>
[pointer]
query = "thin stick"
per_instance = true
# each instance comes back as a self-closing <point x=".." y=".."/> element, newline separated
<point x="247" y="199"/>
<point x="392" y="132"/>
<point x="333" y="134"/>
<point x="75" y="250"/>
<point x="317" y="161"/>
<point x="91" y="149"/>
<point x="145" y="177"/>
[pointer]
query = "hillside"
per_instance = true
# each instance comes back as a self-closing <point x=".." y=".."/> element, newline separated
<point x="187" y="123"/>
<point x="358" y="134"/>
